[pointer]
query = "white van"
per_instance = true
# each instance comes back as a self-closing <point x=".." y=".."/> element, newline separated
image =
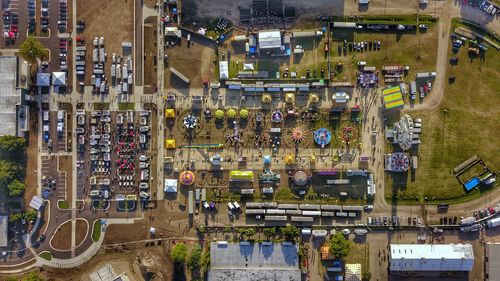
<point x="230" y="206"/>
<point x="236" y="205"/>
<point x="46" y="116"/>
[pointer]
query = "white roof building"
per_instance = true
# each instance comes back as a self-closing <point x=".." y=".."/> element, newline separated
<point x="269" y="39"/>
<point x="446" y="257"/>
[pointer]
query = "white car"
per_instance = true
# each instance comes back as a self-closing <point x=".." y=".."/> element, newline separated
<point x="144" y="185"/>
<point x="346" y="231"/>
<point x="144" y="165"/>
<point x="144" y="129"/>
<point x="143" y="158"/>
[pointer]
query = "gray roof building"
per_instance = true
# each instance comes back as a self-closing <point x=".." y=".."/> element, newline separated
<point x="254" y="262"/>
<point x="492" y="261"/>
<point x="4" y="229"/>
<point x="10" y="96"/>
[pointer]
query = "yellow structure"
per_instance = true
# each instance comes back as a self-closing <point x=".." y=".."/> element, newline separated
<point x="313" y="98"/>
<point x="169" y="113"/>
<point x="170" y="144"/>
<point x="289" y="160"/>
<point x="231" y="113"/>
<point x="290" y="97"/>
<point x="219" y="114"/>
<point x="266" y="98"/>
<point x="241" y="176"/>
<point x="244" y="113"/>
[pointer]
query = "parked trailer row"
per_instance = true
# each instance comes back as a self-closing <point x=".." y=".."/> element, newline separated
<point x="294" y="212"/>
<point x="275" y="212"/>
<point x="352" y="208"/>
<point x="302" y="219"/>
<point x="255" y="211"/>
<point x="311" y="213"/>
<point x="309" y="207"/>
<point x="328" y="214"/>
<point x="288" y="206"/>
<point x="493" y="222"/>
<point x="275" y="218"/>
<point x="256" y="205"/>
<point x="331" y="207"/>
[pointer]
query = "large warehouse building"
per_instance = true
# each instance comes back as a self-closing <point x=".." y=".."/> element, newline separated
<point x="418" y="258"/>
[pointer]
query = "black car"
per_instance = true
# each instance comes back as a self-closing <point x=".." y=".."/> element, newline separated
<point x="15" y="19"/>
<point x="42" y="238"/>
<point x="441" y="221"/>
<point x="445" y="220"/>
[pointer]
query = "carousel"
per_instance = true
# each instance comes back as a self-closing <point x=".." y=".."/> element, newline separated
<point x="187" y="178"/>
<point x="322" y="137"/>
<point x="397" y="162"/>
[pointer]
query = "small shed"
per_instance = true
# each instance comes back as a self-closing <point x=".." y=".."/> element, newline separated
<point x="170" y="143"/>
<point x="43" y="79"/>
<point x="169" y="113"/>
<point x="59" y="78"/>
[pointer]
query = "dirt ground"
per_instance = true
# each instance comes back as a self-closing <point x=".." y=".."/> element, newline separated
<point x="65" y="164"/>
<point x="131" y="262"/>
<point x="150" y="53"/>
<point x="31" y="162"/>
<point x="112" y="20"/>
<point x="62" y="238"/>
<point x="184" y="58"/>
<point x="81" y="231"/>
<point x="166" y="218"/>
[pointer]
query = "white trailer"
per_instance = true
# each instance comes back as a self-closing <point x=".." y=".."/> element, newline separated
<point x="493" y="222"/>
<point x="113" y="70"/>
<point x="275" y="212"/>
<point x="302" y="219"/>
<point x="125" y="70"/>
<point x="102" y="55"/>
<point x="95" y="55"/>
<point x="125" y="88"/>
<point x="118" y="71"/>
<point x="311" y="213"/>
<point x="191" y="202"/>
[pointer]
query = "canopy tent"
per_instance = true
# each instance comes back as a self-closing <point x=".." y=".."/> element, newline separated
<point x="393" y="97"/>
<point x="267" y="159"/>
<point x="300" y="178"/>
<point x="313" y="98"/>
<point x="170" y="144"/>
<point x="290" y="97"/>
<point x="231" y="113"/>
<point x="244" y="113"/>
<point x="43" y="79"/>
<point x="353" y="272"/>
<point x="223" y="70"/>
<point x="36" y="202"/>
<point x="248" y="66"/>
<point x="59" y="78"/>
<point x="219" y="114"/>
<point x="169" y="113"/>
<point x="340" y="97"/>
<point x="170" y="185"/>
<point x="266" y="98"/>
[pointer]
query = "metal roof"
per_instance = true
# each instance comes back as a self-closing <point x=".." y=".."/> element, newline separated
<point x="269" y="39"/>
<point x="9" y="95"/>
<point x="445" y="257"/>
<point x="4" y="229"/>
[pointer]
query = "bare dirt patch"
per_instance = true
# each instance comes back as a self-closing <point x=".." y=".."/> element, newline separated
<point x="82" y="228"/>
<point x="62" y="238"/>
<point x="31" y="161"/>
<point x="195" y="61"/>
<point x="150" y="53"/>
<point x="65" y="164"/>
<point x="112" y="20"/>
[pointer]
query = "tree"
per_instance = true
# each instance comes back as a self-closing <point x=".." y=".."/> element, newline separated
<point x="179" y="253"/>
<point x="14" y="217"/>
<point x="30" y="215"/>
<point x="12" y="144"/>
<point x="31" y="49"/>
<point x="194" y="259"/>
<point x="246" y="232"/>
<point x="11" y="278"/>
<point x="9" y="171"/>
<point x="367" y="276"/>
<point x="205" y="260"/>
<point x="16" y="188"/>
<point x="290" y="232"/>
<point x="32" y="276"/>
<point x="339" y="246"/>
<point x="269" y="232"/>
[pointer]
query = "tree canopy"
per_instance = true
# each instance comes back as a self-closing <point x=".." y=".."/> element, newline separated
<point x="16" y="188"/>
<point x="13" y="217"/>
<point x="339" y="246"/>
<point x="32" y="276"/>
<point x="193" y="261"/>
<point x="269" y="232"/>
<point x="12" y="144"/>
<point x="9" y="171"/>
<point x="290" y="231"/>
<point x="246" y="232"/>
<point x="31" y="49"/>
<point x="30" y="215"/>
<point x="179" y="253"/>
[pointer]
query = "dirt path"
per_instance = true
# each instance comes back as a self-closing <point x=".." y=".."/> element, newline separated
<point x="437" y="94"/>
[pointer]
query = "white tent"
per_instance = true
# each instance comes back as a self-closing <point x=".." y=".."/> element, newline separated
<point x="43" y="79"/>
<point x="248" y="66"/>
<point x="223" y="70"/>
<point x="353" y="272"/>
<point x="59" y="78"/>
<point x="36" y="202"/>
<point x="170" y="185"/>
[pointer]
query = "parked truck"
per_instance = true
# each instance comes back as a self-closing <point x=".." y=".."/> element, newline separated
<point x="468" y="221"/>
<point x="493" y="222"/>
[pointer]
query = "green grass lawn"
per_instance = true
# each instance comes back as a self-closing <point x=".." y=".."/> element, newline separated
<point x="63" y="204"/>
<point x="359" y="253"/>
<point x="126" y="106"/>
<point x="96" y="232"/>
<point x="464" y="124"/>
<point x="46" y="255"/>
